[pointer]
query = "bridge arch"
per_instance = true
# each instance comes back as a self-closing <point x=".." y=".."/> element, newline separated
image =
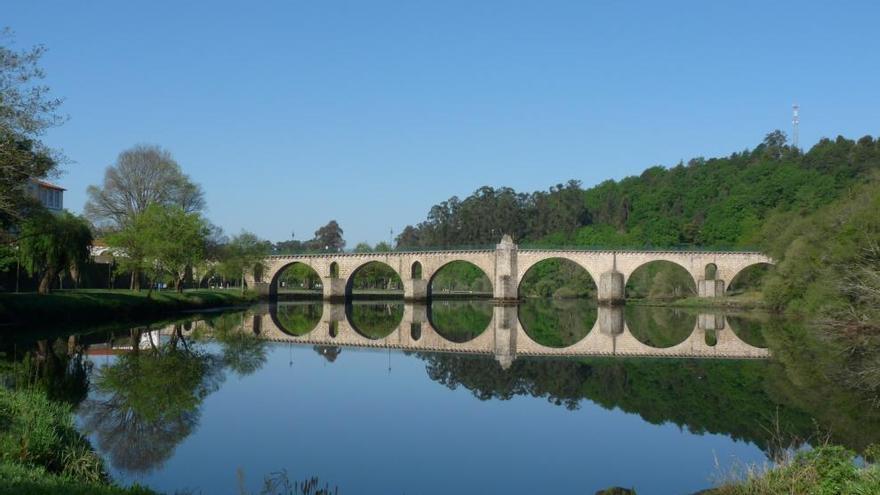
<point x="529" y="270"/>
<point x="660" y="262"/>
<point x="463" y="270"/>
<point x="384" y="276"/>
<point x="297" y="276"/>
<point x="738" y="274"/>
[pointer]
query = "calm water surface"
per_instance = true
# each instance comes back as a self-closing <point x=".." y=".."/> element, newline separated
<point x="360" y="397"/>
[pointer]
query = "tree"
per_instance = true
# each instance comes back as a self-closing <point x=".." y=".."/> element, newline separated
<point x="329" y="237"/>
<point x="143" y="175"/>
<point x="51" y="243"/>
<point x="363" y="247"/>
<point x="163" y="240"/>
<point x="26" y="111"/>
<point x="244" y="253"/>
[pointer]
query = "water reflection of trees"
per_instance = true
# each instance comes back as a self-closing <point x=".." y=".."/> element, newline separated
<point x="724" y="397"/>
<point x="557" y="322"/>
<point x="298" y="319"/>
<point x="658" y="326"/>
<point x="460" y="321"/>
<point x="149" y="400"/>
<point x="374" y="320"/>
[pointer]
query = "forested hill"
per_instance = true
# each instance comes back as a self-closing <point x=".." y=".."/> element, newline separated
<point x="716" y="202"/>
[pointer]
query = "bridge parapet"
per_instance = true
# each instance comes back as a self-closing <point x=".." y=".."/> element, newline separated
<point x="506" y="266"/>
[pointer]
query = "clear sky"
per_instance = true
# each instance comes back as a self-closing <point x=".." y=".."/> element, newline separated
<point x="368" y="112"/>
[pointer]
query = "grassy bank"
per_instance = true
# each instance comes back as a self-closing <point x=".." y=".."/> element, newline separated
<point x="827" y="470"/>
<point x="745" y="301"/>
<point x="41" y="451"/>
<point x="103" y="305"/>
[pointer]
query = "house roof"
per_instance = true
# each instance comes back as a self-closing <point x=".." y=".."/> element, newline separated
<point x="48" y="185"/>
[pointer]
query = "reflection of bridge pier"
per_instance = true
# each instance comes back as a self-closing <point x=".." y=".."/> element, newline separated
<point x="506" y="339"/>
<point x="505" y="322"/>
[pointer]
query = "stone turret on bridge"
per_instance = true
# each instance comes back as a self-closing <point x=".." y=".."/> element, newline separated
<point x="506" y="265"/>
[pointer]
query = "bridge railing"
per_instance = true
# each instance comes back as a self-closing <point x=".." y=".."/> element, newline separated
<point x="534" y="246"/>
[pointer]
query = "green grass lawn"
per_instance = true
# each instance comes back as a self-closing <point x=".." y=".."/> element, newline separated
<point x="104" y="304"/>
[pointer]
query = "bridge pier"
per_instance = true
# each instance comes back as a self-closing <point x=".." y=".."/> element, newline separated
<point x="415" y="290"/>
<point x="611" y="288"/>
<point x="710" y="288"/>
<point x="505" y="286"/>
<point x="334" y="289"/>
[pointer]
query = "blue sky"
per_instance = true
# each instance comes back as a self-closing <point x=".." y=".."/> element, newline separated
<point x="294" y="113"/>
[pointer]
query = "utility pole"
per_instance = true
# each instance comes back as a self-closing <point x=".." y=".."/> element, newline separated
<point x="795" y="120"/>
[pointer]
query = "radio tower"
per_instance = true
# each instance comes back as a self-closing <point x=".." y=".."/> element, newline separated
<point x="795" y="120"/>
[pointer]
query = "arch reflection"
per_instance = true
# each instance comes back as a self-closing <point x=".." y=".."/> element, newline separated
<point x="374" y="320"/>
<point x="298" y="318"/>
<point x="557" y="322"/>
<point x="460" y="321"/>
<point x="659" y="327"/>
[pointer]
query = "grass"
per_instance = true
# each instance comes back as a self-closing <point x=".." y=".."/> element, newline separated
<point x="42" y="452"/>
<point x="101" y="305"/>
<point x="745" y="300"/>
<point x="826" y="470"/>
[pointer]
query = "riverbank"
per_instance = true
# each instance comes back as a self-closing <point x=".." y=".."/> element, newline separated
<point x="95" y="306"/>
<point x="751" y="301"/>
<point x="41" y="452"/>
<point x="823" y="470"/>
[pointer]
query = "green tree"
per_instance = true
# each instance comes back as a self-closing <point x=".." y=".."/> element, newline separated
<point x="26" y="111"/>
<point x="328" y="238"/>
<point x="165" y="240"/>
<point x="244" y="253"/>
<point x="142" y="176"/>
<point x="52" y="243"/>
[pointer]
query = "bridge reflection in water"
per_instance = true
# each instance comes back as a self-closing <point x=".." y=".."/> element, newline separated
<point x="410" y="327"/>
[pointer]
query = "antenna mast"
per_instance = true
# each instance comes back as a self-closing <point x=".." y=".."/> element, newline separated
<point x="795" y="120"/>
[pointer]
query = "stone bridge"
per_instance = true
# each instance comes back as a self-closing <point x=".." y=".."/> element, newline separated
<point x="506" y="339"/>
<point x="506" y="265"/>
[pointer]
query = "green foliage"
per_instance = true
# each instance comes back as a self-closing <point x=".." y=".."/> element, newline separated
<point x="299" y="276"/>
<point x="659" y="326"/>
<point x="103" y="305"/>
<point x="459" y="276"/>
<point x="375" y="320"/>
<point x="51" y="243"/>
<point x="826" y="470"/>
<point x="559" y="278"/>
<point x="660" y="280"/>
<point x="828" y="261"/>
<point x="40" y="433"/>
<point x="298" y="319"/>
<point x="719" y="202"/>
<point x="243" y="254"/>
<point x="461" y="321"/>
<point x="559" y="323"/>
<point x="375" y="275"/>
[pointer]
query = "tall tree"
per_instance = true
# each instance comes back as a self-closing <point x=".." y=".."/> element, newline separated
<point x="50" y="244"/>
<point x="244" y="253"/>
<point x="173" y="241"/>
<point x="26" y="111"/>
<point x="142" y="176"/>
<point x="329" y="237"/>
